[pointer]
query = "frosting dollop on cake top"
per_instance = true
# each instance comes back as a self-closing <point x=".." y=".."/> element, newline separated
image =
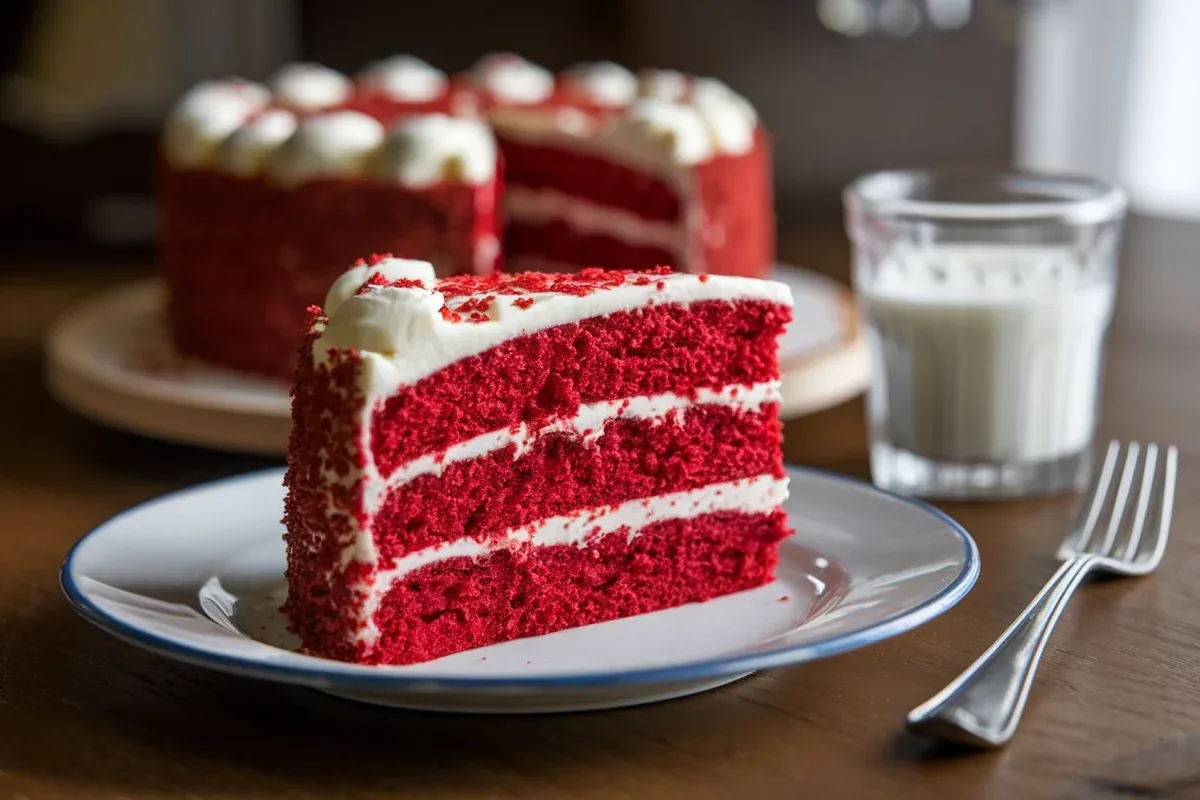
<point x="602" y="83"/>
<point x="429" y="149"/>
<point x="512" y="79"/>
<point x="337" y="143"/>
<point x="206" y="115"/>
<point x="405" y="121"/>
<point x="310" y="87"/>
<point x="407" y="79"/>
<point x="245" y="151"/>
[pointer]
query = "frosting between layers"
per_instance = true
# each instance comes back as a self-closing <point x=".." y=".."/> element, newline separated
<point x="403" y="335"/>
<point x="758" y="495"/>
<point x="588" y="424"/>
<point x="540" y="206"/>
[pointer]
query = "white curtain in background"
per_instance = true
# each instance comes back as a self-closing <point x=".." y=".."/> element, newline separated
<point x="1112" y="88"/>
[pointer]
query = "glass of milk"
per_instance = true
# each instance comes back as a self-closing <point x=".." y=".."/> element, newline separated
<point x="987" y="297"/>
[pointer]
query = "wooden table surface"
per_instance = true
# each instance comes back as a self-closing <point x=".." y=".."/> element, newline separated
<point x="1115" y="712"/>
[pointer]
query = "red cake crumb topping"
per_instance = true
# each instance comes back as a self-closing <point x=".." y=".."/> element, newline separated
<point x="523" y="302"/>
<point x="476" y="304"/>
<point x="580" y="284"/>
<point x="377" y="279"/>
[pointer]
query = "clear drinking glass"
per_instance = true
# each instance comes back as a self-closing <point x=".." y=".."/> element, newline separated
<point x="987" y="298"/>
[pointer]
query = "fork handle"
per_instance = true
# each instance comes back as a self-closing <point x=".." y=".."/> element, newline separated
<point x="982" y="706"/>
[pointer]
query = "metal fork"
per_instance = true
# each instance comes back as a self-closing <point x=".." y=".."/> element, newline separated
<point x="983" y="705"/>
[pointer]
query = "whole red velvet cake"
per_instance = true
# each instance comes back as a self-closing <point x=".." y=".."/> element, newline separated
<point x="268" y="191"/>
<point x="483" y="458"/>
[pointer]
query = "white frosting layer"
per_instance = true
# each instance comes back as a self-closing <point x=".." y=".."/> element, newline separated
<point x="406" y="78"/>
<point x="757" y="495"/>
<point x="588" y="424"/>
<point x="403" y="337"/>
<point x="205" y="116"/>
<point x="338" y="143"/>
<point x="246" y="150"/>
<point x="392" y="269"/>
<point x="511" y="79"/>
<point x="540" y="206"/>
<point x="603" y="83"/>
<point x="429" y="149"/>
<point x="310" y="87"/>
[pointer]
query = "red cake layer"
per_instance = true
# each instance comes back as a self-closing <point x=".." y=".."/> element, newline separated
<point x="731" y="195"/>
<point x="244" y="258"/>
<point x="462" y="603"/>
<point x="667" y="348"/>
<point x="635" y="458"/>
<point x="739" y="210"/>
<point x="560" y="243"/>
<point x="591" y="177"/>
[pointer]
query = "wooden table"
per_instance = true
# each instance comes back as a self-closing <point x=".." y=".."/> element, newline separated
<point x="1115" y="712"/>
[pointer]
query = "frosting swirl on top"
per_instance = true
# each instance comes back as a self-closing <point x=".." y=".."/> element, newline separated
<point x="405" y="78"/>
<point x="337" y="143"/>
<point x="206" y="115"/>
<point x="512" y="79"/>
<point x="603" y="83"/>
<point x="310" y="87"/>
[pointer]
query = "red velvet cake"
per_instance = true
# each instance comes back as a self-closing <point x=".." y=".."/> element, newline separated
<point x="477" y="459"/>
<point x="267" y="192"/>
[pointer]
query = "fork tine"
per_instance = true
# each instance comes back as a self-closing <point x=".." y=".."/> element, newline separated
<point x="1122" y="499"/>
<point x="1143" y="503"/>
<point x="1166" y="507"/>
<point x="1092" y="505"/>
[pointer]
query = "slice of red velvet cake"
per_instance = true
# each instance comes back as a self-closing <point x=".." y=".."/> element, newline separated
<point x="483" y="458"/>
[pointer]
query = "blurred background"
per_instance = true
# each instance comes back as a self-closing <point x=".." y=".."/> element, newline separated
<point x="845" y="86"/>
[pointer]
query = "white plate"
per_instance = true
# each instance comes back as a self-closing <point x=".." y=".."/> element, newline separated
<point x="111" y="359"/>
<point x="863" y="565"/>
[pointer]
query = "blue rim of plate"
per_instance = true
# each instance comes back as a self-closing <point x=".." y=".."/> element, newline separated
<point x="329" y="674"/>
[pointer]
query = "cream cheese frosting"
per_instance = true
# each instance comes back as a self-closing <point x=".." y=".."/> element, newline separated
<point x="310" y="87"/>
<point x="405" y="78"/>
<point x="245" y="151"/>
<point x="428" y="149"/>
<point x="206" y="115"/>
<point x="603" y="83"/>
<point x="403" y="336"/>
<point x="512" y="79"/>
<point x="335" y="143"/>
